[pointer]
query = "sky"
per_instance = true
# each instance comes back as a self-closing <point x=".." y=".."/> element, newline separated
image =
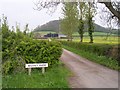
<point x="22" y="12"/>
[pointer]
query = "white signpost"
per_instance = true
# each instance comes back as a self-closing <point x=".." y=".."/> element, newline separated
<point x="36" y="65"/>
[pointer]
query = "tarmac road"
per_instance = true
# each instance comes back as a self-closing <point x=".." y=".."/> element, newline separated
<point x="87" y="74"/>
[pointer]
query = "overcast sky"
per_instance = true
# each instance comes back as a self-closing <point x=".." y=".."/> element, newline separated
<point x="21" y="11"/>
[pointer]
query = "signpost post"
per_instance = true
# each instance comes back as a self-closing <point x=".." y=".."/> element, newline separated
<point x="36" y="65"/>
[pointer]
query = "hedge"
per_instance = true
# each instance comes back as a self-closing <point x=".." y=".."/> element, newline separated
<point x="99" y="49"/>
<point x="19" y="49"/>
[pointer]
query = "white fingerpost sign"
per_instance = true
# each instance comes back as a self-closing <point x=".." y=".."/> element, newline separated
<point x="36" y="65"/>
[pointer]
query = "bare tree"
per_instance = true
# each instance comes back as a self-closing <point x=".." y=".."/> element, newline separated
<point x="114" y="7"/>
<point x="50" y="5"/>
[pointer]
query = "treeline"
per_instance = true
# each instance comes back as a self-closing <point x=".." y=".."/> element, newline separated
<point x="78" y="16"/>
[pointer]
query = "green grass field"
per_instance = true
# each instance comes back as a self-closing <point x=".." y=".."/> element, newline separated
<point x="95" y="34"/>
<point x="55" y="77"/>
<point x="100" y="39"/>
<point x="77" y="35"/>
<point x="45" y="32"/>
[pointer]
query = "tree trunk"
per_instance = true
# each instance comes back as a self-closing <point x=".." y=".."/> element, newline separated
<point x="69" y="38"/>
<point x="81" y="38"/>
<point x="91" y="38"/>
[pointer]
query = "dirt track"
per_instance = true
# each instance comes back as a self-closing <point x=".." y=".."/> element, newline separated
<point x="87" y="74"/>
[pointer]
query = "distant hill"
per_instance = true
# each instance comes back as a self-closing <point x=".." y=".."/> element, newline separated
<point x="54" y="26"/>
<point x="50" y="26"/>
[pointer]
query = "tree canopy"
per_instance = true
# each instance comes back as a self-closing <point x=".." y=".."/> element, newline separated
<point x="113" y="6"/>
<point x="69" y="23"/>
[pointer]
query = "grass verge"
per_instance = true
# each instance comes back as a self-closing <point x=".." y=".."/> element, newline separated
<point x="55" y="77"/>
<point x="103" y="60"/>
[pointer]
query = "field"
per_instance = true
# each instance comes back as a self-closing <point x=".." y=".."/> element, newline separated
<point x="95" y="34"/>
<point x="99" y="37"/>
<point x="45" y="32"/>
<point x="77" y="35"/>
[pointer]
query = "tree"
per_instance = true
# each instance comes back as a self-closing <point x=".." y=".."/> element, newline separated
<point x="82" y="12"/>
<point x="26" y="29"/>
<point x="113" y="6"/>
<point x="90" y="16"/>
<point x="0" y="26"/>
<point x="18" y="28"/>
<point x="69" y="23"/>
<point x="5" y="28"/>
<point x="81" y="29"/>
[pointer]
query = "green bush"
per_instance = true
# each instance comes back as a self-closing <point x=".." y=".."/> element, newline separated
<point x="19" y="48"/>
<point x="40" y="51"/>
<point x="7" y="67"/>
<point x="32" y="51"/>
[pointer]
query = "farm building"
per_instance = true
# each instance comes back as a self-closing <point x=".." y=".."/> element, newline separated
<point x="55" y="35"/>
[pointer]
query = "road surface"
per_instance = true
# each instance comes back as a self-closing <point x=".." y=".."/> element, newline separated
<point x="87" y="74"/>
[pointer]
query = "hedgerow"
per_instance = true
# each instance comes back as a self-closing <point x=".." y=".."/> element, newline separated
<point x="19" y="48"/>
<point x="36" y="51"/>
<point x="99" y="49"/>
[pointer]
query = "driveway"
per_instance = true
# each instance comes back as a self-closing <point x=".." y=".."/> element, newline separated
<point x="87" y="74"/>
